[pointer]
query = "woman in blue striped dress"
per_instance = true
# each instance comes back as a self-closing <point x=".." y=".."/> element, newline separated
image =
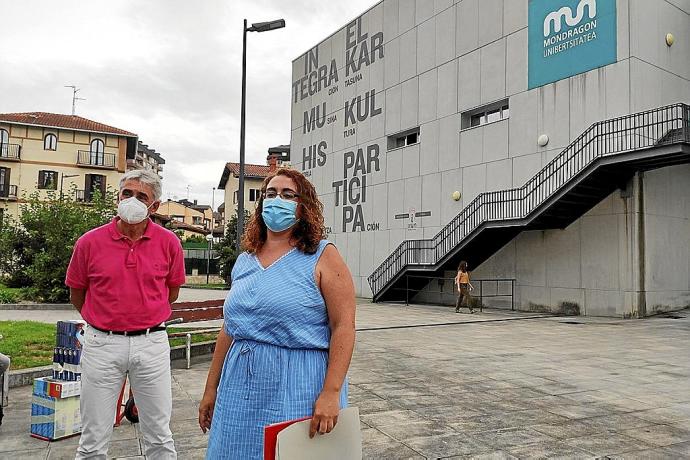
<point x="289" y="326"/>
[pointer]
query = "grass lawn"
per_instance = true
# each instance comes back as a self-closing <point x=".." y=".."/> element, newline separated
<point x="10" y="295"/>
<point x="207" y="286"/>
<point x="30" y="343"/>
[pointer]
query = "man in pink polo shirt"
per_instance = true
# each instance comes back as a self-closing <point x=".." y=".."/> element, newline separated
<point x="123" y="277"/>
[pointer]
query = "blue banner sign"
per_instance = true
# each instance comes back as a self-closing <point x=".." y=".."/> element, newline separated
<point x="568" y="37"/>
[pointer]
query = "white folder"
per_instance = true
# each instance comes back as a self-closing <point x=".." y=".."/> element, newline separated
<point x="344" y="442"/>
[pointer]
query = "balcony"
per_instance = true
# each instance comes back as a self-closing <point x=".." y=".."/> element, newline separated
<point x="9" y="193"/>
<point x="10" y="152"/>
<point x="95" y="159"/>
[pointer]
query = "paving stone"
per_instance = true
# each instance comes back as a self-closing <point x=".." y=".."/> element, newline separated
<point x="581" y="411"/>
<point x="376" y="445"/>
<point x="550" y="450"/>
<point x="191" y="443"/>
<point x="570" y="429"/>
<point x="682" y="448"/>
<point x="447" y="445"/>
<point x="20" y="441"/>
<point x="659" y="453"/>
<point x="659" y="435"/>
<point x="495" y="455"/>
<point x="608" y="444"/>
<point x="393" y="417"/>
<point x="32" y="454"/>
<point x="405" y="431"/>
<point x="511" y="437"/>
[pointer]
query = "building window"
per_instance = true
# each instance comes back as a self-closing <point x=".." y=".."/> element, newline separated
<point x="94" y="183"/>
<point x="47" y="180"/>
<point x="403" y="139"/>
<point x="234" y="197"/>
<point x="50" y="142"/>
<point x="196" y="220"/>
<point x="4" y="141"/>
<point x="5" y="181"/>
<point x="254" y="194"/>
<point x="484" y="115"/>
<point x="96" y="152"/>
<point x="178" y="218"/>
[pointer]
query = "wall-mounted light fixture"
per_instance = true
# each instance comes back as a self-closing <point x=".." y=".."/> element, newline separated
<point x="543" y="140"/>
<point x="456" y="195"/>
<point x="670" y="39"/>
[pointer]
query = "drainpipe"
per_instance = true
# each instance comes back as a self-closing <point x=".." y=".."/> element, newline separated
<point x="640" y="230"/>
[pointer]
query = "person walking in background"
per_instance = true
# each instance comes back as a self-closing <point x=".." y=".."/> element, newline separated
<point x="289" y="330"/>
<point x="462" y="281"/>
<point x="4" y="381"/>
<point x="123" y="276"/>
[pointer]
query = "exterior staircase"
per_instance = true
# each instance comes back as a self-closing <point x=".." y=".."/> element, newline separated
<point x="602" y="159"/>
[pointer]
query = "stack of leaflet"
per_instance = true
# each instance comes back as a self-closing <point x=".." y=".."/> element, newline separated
<point x="55" y="401"/>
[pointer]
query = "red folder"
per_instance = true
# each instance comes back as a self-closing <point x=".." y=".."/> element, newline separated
<point x="271" y="436"/>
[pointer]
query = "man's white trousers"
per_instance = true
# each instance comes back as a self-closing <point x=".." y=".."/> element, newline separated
<point x="106" y="360"/>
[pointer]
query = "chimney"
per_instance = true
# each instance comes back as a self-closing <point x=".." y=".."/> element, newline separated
<point x="272" y="164"/>
<point x="194" y="202"/>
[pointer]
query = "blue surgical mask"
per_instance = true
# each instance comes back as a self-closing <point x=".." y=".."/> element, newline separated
<point x="279" y="214"/>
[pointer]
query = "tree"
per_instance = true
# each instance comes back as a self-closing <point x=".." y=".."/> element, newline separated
<point x="227" y="247"/>
<point x="36" y="249"/>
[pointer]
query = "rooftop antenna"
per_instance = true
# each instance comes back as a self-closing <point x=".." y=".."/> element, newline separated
<point x="75" y="90"/>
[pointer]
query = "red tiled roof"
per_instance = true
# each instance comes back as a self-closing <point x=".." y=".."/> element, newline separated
<point x="249" y="170"/>
<point x="254" y="171"/>
<point x="56" y="120"/>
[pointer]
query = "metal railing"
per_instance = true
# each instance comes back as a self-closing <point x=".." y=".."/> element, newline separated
<point x="446" y="293"/>
<point x="99" y="159"/>
<point x="10" y="151"/>
<point x="10" y="192"/>
<point x="665" y="125"/>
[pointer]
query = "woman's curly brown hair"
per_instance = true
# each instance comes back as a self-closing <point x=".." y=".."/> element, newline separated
<point x="309" y="229"/>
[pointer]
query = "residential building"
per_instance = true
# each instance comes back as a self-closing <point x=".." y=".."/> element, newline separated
<point x="281" y="154"/>
<point x="146" y="158"/>
<point x="545" y="142"/>
<point x="254" y="176"/>
<point x="53" y="154"/>
<point x="187" y="230"/>
<point x="181" y="212"/>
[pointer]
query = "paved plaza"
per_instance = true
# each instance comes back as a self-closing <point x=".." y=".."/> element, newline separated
<point x="497" y="385"/>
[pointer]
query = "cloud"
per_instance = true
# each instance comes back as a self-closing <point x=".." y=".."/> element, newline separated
<point x="168" y="70"/>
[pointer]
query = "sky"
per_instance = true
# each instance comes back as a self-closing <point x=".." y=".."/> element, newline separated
<point x="167" y="70"/>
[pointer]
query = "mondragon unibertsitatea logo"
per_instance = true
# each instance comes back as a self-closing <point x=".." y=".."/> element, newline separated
<point x="557" y="17"/>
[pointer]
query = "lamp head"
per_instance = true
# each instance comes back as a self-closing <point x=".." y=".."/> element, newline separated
<point x="267" y="26"/>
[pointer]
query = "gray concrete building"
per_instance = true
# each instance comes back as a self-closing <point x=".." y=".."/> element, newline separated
<point x="545" y="141"/>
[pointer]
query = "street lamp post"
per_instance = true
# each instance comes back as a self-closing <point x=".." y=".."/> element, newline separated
<point x="62" y="180"/>
<point x="256" y="27"/>
<point x="209" y="239"/>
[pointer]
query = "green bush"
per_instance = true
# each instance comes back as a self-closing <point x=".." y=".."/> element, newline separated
<point x="7" y="296"/>
<point x="36" y="249"/>
<point x="227" y="247"/>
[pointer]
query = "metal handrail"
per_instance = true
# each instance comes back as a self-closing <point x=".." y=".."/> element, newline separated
<point x="10" y="151"/>
<point x="664" y="125"/>
<point x="88" y="158"/>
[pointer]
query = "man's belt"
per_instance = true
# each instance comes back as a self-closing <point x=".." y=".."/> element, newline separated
<point x="131" y="333"/>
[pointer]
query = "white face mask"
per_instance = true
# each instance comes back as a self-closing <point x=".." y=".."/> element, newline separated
<point x="132" y="210"/>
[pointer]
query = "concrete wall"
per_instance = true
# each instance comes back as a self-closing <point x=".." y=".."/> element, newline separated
<point x="441" y="59"/>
